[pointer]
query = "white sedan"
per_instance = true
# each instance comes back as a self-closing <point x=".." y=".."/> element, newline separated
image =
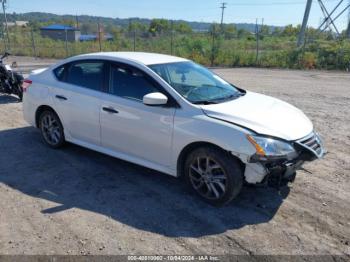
<point x="172" y="115"/>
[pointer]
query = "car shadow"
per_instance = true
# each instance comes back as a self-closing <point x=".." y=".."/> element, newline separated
<point x="138" y="197"/>
<point x="8" y="99"/>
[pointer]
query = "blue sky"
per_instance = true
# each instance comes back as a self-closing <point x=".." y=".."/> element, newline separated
<point x="274" y="12"/>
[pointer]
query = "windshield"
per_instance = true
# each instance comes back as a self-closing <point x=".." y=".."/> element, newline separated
<point x="196" y="83"/>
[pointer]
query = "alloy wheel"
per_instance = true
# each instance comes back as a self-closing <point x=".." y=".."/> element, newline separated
<point x="51" y="129"/>
<point x="208" y="178"/>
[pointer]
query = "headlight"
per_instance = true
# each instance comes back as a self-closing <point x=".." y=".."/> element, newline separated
<point x="268" y="147"/>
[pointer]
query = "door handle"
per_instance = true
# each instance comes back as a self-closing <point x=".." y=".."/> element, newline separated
<point x="110" y="110"/>
<point x="61" y="97"/>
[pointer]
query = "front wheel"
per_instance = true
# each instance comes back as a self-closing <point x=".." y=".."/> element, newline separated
<point x="214" y="175"/>
<point x="51" y="129"/>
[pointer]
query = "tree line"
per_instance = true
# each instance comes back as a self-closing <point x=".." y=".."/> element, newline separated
<point x="227" y="45"/>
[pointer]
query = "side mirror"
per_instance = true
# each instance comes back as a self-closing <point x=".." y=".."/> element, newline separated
<point x="155" y="99"/>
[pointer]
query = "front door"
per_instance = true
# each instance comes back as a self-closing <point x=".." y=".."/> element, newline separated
<point x="130" y="127"/>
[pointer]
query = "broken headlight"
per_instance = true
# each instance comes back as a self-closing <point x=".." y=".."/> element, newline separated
<point x="267" y="148"/>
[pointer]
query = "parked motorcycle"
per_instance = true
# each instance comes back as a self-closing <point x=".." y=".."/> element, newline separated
<point x="10" y="81"/>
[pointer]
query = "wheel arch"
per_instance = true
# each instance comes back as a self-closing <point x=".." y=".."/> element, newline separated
<point x="180" y="165"/>
<point x="40" y="110"/>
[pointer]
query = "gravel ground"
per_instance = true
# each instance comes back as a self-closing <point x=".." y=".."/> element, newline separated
<point x="76" y="201"/>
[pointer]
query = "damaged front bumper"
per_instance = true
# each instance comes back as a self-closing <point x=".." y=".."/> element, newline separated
<point x="280" y="171"/>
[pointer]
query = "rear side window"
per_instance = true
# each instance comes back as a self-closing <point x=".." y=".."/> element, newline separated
<point x="60" y="72"/>
<point x="130" y="83"/>
<point x="88" y="74"/>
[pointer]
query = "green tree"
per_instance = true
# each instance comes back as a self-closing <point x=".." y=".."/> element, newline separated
<point x="276" y="31"/>
<point x="290" y="30"/>
<point x="230" y="31"/>
<point x="137" y="26"/>
<point x="215" y="28"/>
<point x="159" y="26"/>
<point x="265" y="30"/>
<point x="242" y="33"/>
<point x="182" y="28"/>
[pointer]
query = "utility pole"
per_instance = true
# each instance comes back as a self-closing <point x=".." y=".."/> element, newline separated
<point x="66" y="41"/>
<point x="99" y="35"/>
<point x="77" y="21"/>
<point x="223" y="7"/>
<point x="212" y="57"/>
<point x="134" y="34"/>
<point x="257" y="41"/>
<point x="172" y="38"/>
<point x="348" y="30"/>
<point x="7" y="42"/>
<point x="301" y="37"/>
<point x="33" y="43"/>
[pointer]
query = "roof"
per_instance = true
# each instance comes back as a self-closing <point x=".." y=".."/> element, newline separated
<point x="87" y="37"/>
<point x="22" y="22"/>
<point x="108" y="36"/>
<point x="59" y="27"/>
<point x="139" y="57"/>
<point x="94" y="37"/>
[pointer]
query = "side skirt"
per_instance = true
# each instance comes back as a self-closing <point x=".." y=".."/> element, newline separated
<point x="125" y="157"/>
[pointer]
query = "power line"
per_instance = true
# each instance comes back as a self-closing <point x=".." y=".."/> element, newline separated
<point x="273" y="3"/>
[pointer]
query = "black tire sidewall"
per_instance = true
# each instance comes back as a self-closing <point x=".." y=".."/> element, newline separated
<point x="231" y="167"/>
<point x="20" y="93"/>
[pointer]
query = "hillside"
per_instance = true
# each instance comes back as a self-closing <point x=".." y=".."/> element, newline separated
<point x="53" y="18"/>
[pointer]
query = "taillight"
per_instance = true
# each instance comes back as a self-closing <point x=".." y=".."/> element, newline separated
<point x="26" y="84"/>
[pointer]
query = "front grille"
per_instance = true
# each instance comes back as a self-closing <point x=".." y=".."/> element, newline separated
<point x="313" y="143"/>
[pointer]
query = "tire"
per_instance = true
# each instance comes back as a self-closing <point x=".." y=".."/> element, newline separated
<point x="20" y="93"/>
<point x="51" y="129"/>
<point x="214" y="175"/>
<point x="18" y="82"/>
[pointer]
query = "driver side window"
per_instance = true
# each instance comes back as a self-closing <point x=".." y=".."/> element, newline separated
<point x="131" y="83"/>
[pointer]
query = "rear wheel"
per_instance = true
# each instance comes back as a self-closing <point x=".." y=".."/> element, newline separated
<point x="214" y="175"/>
<point x="51" y="129"/>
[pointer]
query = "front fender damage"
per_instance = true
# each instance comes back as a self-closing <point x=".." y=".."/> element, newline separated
<point x="255" y="173"/>
<point x="271" y="172"/>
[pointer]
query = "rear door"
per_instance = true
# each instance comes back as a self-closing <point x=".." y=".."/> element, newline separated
<point x="78" y="99"/>
<point x="130" y="127"/>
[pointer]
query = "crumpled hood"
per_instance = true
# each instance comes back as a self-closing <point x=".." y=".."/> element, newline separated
<point x="263" y="114"/>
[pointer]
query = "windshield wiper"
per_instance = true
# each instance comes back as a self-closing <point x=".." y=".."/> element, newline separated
<point x="204" y="102"/>
<point x="230" y="97"/>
